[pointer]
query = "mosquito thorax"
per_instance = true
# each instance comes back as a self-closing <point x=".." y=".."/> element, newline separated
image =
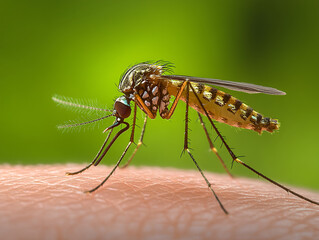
<point x="122" y="107"/>
<point x="136" y="74"/>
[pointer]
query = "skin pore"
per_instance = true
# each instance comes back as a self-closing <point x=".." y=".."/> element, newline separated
<point x="40" y="202"/>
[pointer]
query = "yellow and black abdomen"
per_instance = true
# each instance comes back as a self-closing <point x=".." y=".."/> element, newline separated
<point x="224" y="108"/>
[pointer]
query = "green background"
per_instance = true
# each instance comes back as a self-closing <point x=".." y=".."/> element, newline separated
<point x="80" y="49"/>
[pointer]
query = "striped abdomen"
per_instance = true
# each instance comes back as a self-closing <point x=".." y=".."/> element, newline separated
<point x="225" y="108"/>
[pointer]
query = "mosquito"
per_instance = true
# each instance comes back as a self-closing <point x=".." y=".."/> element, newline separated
<point x="150" y="87"/>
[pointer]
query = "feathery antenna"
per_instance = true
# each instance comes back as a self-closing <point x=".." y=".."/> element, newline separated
<point x="83" y="123"/>
<point x="75" y="103"/>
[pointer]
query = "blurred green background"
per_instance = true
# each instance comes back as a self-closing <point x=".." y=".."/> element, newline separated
<point x="80" y="49"/>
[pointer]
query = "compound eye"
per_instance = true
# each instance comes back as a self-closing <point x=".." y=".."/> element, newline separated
<point x="122" y="108"/>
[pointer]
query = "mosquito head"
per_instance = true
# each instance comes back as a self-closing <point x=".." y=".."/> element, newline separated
<point x="122" y="107"/>
<point x="136" y="74"/>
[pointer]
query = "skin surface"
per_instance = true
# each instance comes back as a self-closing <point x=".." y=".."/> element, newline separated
<point x="40" y="202"/>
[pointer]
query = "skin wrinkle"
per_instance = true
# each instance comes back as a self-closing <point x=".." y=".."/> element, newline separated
<point x="143" y="203"/>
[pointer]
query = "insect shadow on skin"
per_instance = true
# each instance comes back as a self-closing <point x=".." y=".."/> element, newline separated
<point x="150" y="89"/>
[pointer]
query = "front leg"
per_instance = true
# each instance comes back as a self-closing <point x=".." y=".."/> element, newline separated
<point x="140" y="142"/>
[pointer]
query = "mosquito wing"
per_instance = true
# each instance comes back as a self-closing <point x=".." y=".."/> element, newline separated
<point x="236" y="86"/>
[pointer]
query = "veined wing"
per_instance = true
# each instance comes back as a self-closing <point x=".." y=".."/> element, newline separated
<point x="236" y="86"/>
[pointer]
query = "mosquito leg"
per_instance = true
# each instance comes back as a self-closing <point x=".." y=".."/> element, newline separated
<point x="244" y="164"/>
<point x="186" y="117"/>
<point x="277" y="184"/>
<point x="96" y="157"/>
<point x="178" y="96"/>
<point x="207" y="182"/>
<point x="189" y="153"/>
<point x="111" y="143"/>
<point x="140" y="142"/>
<point x="133" y="124"/>
<point x="143" y="106"/>
<point x="118" y="162"/>
<point x="212" y="147"/>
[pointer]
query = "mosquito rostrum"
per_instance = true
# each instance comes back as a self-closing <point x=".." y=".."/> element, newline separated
<point x="149" y="87"/>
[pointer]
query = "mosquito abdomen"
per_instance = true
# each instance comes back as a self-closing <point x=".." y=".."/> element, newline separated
<point x="225" y="108"/>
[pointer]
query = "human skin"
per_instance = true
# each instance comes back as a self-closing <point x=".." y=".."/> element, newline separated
<point x="41" y="202"/>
